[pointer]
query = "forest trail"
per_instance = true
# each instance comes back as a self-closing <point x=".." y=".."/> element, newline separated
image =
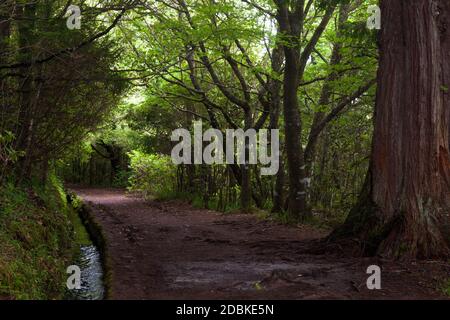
<point x="169" y="250"/>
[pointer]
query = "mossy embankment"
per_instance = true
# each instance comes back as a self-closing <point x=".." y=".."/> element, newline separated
<point x="39" y="237"/>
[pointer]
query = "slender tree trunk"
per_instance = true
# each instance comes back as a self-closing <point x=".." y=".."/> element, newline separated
<point x="290" y="27"/>
<point x="26" y="29"/>
<point x="291" y="17"/>
<point x="5" y="29"/>
<point x="275" y="110"/>
<point x="190" y="168"/>
<point x="278" y="197"/>
<point x="294" y="151"/>
<point x="246" y="190"/>
<point x="326" y="94"/>
<point x="407" y="191"/>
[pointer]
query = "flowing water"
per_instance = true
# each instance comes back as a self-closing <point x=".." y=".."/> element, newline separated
<point x="92" y="287"/>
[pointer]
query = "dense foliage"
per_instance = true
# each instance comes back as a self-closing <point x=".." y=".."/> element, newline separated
<point x="222" y="63"/>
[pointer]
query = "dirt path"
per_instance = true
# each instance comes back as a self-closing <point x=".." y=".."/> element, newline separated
<point x="171" y="251"/>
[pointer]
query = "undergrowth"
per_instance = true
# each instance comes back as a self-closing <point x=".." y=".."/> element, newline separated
<point x="37" y="236"/>
<point x="446" y="287"/>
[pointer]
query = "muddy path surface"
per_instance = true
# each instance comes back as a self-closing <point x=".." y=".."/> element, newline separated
<point x="169" y="250"/>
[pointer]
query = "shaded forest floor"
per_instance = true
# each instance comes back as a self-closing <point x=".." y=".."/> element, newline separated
<point x="169" y="250"/>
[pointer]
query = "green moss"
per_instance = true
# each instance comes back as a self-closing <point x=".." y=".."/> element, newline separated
<point x="446" y="287"/>
<point x="36" y="240"/>
<point x="80" y="234"/>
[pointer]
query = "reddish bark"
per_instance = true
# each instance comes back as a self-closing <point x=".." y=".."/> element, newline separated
<point x="407" y="193"/>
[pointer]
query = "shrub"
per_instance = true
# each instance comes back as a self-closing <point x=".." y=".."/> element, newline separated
<point x="8" y="155"/>
<point x="121" y="180"/>
<point x="151" y="174"/>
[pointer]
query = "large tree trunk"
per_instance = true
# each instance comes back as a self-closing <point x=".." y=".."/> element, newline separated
<point x="406" y="196"/>
<point x="444" y="27"/>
